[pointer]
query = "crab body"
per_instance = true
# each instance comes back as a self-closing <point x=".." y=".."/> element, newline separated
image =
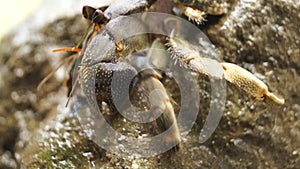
<point x="103" y="60"/>
<point x="100" y="61"/>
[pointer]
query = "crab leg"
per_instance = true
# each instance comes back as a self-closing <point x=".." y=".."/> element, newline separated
<point x="160" y="101"/>
<point x="248" y="82"/>
<point x="188" y="56"/>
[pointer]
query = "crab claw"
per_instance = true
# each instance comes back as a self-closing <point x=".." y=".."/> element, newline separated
<point x="249" y="83"/>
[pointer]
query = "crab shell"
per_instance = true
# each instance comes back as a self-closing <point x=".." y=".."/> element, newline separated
<point x="101" y="61"/>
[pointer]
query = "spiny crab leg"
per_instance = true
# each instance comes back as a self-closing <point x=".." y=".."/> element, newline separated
<point x="195" y="15"/>
<point x="196" y="10"/>
<point x="188" y="56"/>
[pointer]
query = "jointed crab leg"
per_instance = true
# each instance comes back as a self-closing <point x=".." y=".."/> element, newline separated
<point x="160" y="101"/>
<point x="248" y="82"/>
<point x="189" y="57"/>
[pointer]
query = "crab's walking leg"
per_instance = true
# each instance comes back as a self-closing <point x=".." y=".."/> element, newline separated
<point x="248" y="82"/>
<point x="188" y="56"/>
<point x="193" y="14"/>
<point x="160" y="101"/>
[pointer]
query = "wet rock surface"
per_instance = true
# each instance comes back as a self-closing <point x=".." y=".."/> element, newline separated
<point x="38" y="131"/>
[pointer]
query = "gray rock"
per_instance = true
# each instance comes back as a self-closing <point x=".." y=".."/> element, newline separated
<point x="260" y="36"/>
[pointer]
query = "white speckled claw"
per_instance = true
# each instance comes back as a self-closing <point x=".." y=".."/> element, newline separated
<point x="248" y="82"/>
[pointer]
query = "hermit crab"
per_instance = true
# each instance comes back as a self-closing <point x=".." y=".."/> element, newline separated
<point x="113" y="64"/>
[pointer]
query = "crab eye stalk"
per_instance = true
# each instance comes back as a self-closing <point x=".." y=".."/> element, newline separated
<point x="87" y="12"/>
<point x="98" y="17"/>
<point x="93" y="15"/>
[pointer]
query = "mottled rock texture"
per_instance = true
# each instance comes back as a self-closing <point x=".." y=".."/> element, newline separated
<point x="262" y="36"/>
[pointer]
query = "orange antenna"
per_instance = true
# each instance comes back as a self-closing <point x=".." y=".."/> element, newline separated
<point x="74" y="49"/>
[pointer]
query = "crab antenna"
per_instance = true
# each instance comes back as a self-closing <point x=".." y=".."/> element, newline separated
<point x="53" y="71"/>
<point x="74" y="49"/>
<point x="84" y="36"/>
<point x="72" y="91"/>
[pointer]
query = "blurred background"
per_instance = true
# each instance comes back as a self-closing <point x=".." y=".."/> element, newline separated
<point x="13" y="12"/>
